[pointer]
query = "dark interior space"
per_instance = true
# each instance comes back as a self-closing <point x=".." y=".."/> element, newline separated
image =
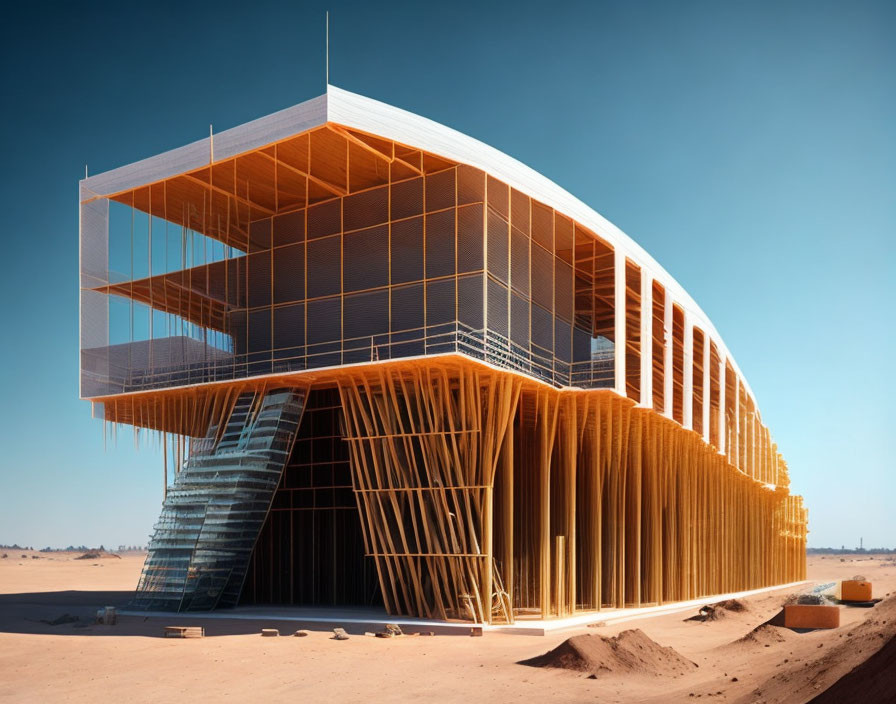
<point x="311" y="549"/>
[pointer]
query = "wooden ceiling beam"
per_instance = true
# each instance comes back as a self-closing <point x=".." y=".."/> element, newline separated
<point x="342" y="132"/>
<point x="224" y="192"/>
<point x="332" y="188"/>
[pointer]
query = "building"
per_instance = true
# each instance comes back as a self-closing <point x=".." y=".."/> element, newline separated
<point x="391" y="364"/>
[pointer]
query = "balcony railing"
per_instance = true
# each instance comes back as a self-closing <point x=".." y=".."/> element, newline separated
<point x="458" y="338"/>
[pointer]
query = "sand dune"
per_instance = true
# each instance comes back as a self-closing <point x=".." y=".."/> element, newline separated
<point x="741" y="657"/>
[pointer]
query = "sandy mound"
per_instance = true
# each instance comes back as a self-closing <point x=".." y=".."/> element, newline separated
<point x="872" y="682"/>
<point x="98" y="555"/>
<point x="629" y="652"/>
<point x="765" y="634"/>
<point x="864" y="656"/>
<point x="714" y="612"/>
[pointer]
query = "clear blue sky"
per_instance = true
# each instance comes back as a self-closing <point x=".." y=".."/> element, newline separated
<point x="749" y="146"/>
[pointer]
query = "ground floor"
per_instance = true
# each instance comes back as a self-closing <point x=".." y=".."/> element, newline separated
<point x="446" y="489"/>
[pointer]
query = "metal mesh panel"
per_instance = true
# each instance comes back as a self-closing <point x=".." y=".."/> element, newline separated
<point x="289" y="228"/>
<point x="470" y="185"/>
<point x="470" y="301"/>
<point x="440" y="190"/>
<point x="407" y="307"/>
<point x="259" y="279"/>
<point x="289" y="273"/>
<point x="366" y="259"/>
<point x="581" y="345"/>
<point x="497" y="245"/>
<point x="366" y="209"/>
<point x="95" y="369"/>
<point x="324" y="320"/>
<point x="259" y="330"/>
<point x="407" y="199"/>
<point x="562" y="340"/>
<point x="498" y="197"/>
<point x="324" y="219"/>
<point x="542" y="277"/>
<point x="519" y="320"/>
<point x="94" y="243"/>
<point x="543" y="225"/>
<point x="440" y="244"/>
<point x="519" y="211"/>
<point x="324" y="267"/>
<point x="470" y="242"/>
<point x="440" y="302"/>
<point x="542" y="328"/>
<point x="260" y="235"/>
<point x="407" y="250"/>
<point x="563" y="290"/>
<point x="365" y="314"/>
<point x="563" y="238"/>
<point x="519" y="261"/>
<point x="289" y="330"/>
<point x="497" y="308"/>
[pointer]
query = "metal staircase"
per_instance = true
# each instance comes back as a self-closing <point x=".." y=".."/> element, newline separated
<point x="200" y="549"/>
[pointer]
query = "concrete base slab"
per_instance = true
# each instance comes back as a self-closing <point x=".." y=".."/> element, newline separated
<point x="360" y="620"/>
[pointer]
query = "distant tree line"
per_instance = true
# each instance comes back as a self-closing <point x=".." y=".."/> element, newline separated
<point x="73" y="548"/>
<point x="849" y="551"/>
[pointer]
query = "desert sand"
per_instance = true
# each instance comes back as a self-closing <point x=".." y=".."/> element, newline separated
<point x="731" y="657"/>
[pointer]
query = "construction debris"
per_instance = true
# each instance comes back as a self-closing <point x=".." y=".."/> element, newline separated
<point x="391" y="630"/>
<point x="184" y="632"/>
<point x="713" y="612"/>
<point x="59" y="620"/>
<point x="270" y="632"/>
<point x="339" y="634"/>
<point x="857" y="589"/>
<point x="801" y="615"/>
<point x="107" y="615"/>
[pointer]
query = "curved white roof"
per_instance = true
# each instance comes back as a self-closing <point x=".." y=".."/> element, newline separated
<point x="365" y="114"/>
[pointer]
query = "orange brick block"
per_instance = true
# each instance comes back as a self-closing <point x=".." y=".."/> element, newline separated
<point x="853" y="590"/>
<point x="811" y="616"/>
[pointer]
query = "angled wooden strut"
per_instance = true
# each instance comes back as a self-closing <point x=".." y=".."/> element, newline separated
<point x="425" y="445"/>
<point x="487" y="499"/>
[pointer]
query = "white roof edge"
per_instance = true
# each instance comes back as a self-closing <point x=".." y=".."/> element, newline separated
<point x="373" y="116"/>
<point x="222" y="145"/>
<point x="369" y="115"/>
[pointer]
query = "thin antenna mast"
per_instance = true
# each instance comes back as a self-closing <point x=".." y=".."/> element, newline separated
<point x="328" y="49"/>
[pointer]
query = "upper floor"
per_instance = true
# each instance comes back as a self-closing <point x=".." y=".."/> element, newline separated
<point x="345" y="231"/>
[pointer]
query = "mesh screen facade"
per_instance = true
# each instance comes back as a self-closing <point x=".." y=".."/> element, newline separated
<point x="384" y="264"/>
<point x="444" y="261"/>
